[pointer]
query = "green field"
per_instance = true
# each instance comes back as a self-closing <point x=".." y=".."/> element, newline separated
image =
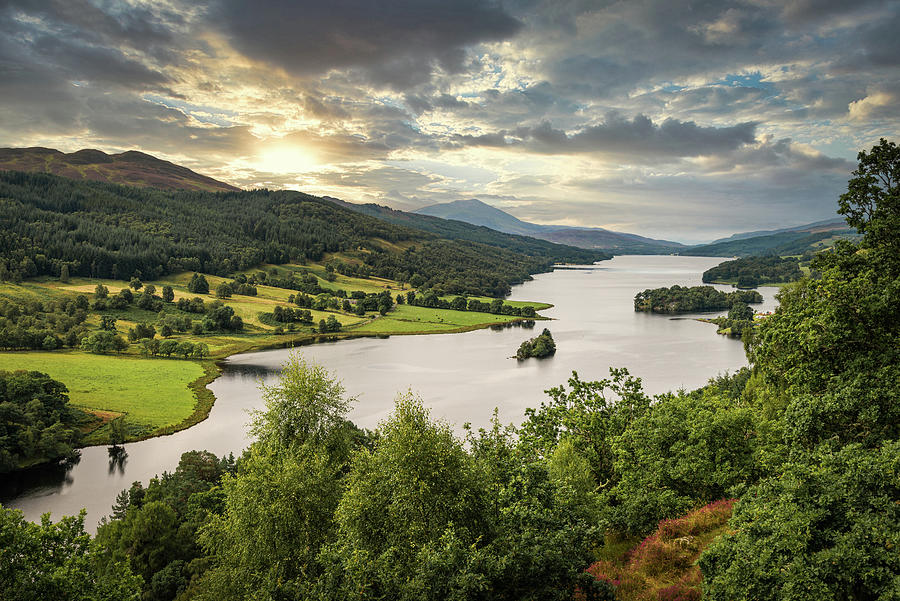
<point x="158" y="395"/>
<point x="152" y="394"/>
<point x="406" y="319"/>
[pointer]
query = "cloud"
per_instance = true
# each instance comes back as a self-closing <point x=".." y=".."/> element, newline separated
<point x="880" y="104"/>
<point x="637" y="138"/>
<point x="397" y="43"/>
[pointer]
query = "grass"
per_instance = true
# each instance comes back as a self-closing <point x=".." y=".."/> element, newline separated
<point x="152" y="394"/>
<point x="407" y="319"/>
<point x="159" y="396"/>
<point x="663" y="565"/>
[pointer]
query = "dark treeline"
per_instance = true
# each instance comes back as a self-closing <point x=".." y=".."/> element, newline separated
<point x="36" y="423"/>
<point x="104" y="230"/>
<point x="683" y="299"/>
<point x="430" y="298"/>
<point x="750" y="272"/>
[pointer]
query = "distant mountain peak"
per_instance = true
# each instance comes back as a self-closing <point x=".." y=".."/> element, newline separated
<point x="133" y="168"/>
<point x="474" y="211"/>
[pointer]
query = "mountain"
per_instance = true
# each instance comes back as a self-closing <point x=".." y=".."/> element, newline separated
<point x="479" y="213"/>
<point x="460" y="230"/>
<point x="130" y="168"/>
<point x="794" y="240"/>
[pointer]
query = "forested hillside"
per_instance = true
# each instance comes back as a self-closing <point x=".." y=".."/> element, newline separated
<point x="104" y="230"/>
<point x="784" y="243"/>
<point x="749" y="272"/>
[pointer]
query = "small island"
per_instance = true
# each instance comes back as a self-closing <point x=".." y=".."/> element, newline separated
<point x="540" y="346"/>
<point x="682" y="299"/>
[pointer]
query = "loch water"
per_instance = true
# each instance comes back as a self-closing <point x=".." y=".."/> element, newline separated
<point x="461" y="377"/>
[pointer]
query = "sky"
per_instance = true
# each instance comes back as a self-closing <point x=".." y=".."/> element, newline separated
<point x="678" y="119"/>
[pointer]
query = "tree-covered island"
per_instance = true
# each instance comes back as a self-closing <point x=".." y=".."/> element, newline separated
<point x="539" y="347"/>
<point x="694" y="299"/>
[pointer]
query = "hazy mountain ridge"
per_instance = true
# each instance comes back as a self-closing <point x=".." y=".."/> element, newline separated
<point x="130" y="168"/>
<point x="461" y="230"/>
<point x="477" y="212"/>
<point x="816" y="226"/>
<point x="787" y="241"/>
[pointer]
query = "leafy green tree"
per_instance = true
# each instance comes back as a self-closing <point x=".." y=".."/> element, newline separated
<point x="103" y="342"/>
<point x="56" y="561"/>
<point x="687" y="450"/>
<point x="416" y="485"/>
<point x="224" y="290"/>
<point x="592" y="414"/>
<point x="36" y="423"/>
<point x="824" y="529"/>
<point x="740" y="311"/>
<point x="306" y="404"/>
<point x="198" y="284"/>
<point x="136" y="284"/>
<point x="168" y="294"/>
<point x="279" y="507"/>
<point x="101" y="291"/>
<point x="872" y="201"/>
<point x="154" y="530"/>
<point x="108" y="323"/>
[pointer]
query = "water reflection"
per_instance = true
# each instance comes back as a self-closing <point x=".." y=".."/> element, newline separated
<point x="42" y="479"/>
<point x="118" y="457"/>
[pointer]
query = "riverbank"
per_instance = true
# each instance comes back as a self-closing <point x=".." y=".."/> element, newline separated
<point x="154" y="395"/>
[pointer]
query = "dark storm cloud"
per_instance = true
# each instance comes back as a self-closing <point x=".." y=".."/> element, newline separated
<point x="395" y="42"/>
<point x="114" y="25"/>
<point x="638" y="137"/>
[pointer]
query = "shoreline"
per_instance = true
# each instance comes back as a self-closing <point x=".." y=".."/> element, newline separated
<point x="205" y="399"/>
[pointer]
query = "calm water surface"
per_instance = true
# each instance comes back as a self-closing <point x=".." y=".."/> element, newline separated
<point x="462" y="377"/>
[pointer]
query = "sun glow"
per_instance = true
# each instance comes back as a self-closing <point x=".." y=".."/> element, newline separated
<point x="286" y="159"/>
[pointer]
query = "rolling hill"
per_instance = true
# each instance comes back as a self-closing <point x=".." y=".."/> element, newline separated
<point x="129" y="168"/>
<point x="97" y="229"/>
<point x="477" y="212"/>
<point x="787" y="241"/>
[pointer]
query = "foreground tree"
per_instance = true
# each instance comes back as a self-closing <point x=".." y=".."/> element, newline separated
<point x="56" y="561"/>
<point x="279" y="507"/>
<point x="826" y="529"/>
<point x="872" y="200"/>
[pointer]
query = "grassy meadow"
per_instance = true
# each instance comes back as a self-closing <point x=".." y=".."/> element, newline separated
<point x="157" y="395"/>
<point x="152" y="394"/>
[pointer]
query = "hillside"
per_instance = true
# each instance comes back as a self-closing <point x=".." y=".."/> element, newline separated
<point x="130" y="168"/>
<point x="817" y="226"/>
<point x="788" y="241"/>
<point x="479" y="213"/>
<point x="461" y="230"/>
<point x="104" y="230"/>
<point x="785" y="243"/>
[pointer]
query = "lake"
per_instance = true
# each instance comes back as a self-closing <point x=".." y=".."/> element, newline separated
<point x="461" y="377"/>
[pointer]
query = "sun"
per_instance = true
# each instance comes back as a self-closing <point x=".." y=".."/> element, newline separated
<point x="286" y="159"/>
